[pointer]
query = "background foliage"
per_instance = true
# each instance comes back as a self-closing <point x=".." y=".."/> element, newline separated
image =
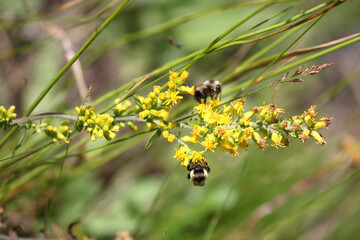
<point x="304" y="191"/>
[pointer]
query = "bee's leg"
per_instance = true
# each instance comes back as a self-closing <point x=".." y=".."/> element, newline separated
<point x="205" y="97"/>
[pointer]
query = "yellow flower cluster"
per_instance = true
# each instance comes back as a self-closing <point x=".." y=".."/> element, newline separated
<point x="6" y="115"/>
<point x="158" y="104"/>
<point x="168" y="136"/>
<point x="306" y="125"/>
<point x="58" y="134"/>
<point x="120" y="108"/>
<point x="98" y="125"/>
<point x="185" y="154"/>
<point x="230" y="128"/>
<point x="225" y="126"/>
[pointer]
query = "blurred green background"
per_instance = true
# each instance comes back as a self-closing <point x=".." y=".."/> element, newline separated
<point x="289" y="193"/>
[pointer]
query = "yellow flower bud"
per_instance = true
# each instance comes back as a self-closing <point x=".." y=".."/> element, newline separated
<point x="98" y="120"/>
<point x="323" y="122"/>
<point x="276" y="137"/>
<point x="63" y="128"/>
<point x="173" y="75"/>
<point x="171" y="138"/>
<point x="184" y="75"/>
<point x="151" y="125"/>
<point x="171" y="85"/>
<point x="110" y="120"/>
<point x="248" y="114"/>
<point x="132" y="126"/>
<point x="164" y="115"/>
<point x="90" y="121"/>
<point x="152" y="95"/>
<point x="172" y="125"/>
<point x="189" y="139"/>
<point x="162" y="96"/>
<point x="157" y="89"/>
<point x="144" y="114"/>
<point x="165" y="134"/>
<point x="112" y="136"/>
<point x="127" y="103"/>
<point x="115" y="128"/>
<point x="154" y="112"/>
<point x="93" y="138"/>
<point x="147" y="102"/>
<point x="100" y="134"/>
<point x="163" y="125"/>
<point x="320" y="140"/>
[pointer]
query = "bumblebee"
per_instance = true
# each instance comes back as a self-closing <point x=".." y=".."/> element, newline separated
<point x="198" y="173"/>
<point x="210" y="88"/>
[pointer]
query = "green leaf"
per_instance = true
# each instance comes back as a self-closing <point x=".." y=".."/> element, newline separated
<point x="153" y="138"/>
<point x="137" y="101"/>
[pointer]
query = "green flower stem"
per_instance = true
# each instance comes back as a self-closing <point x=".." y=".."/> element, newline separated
<point x="232" y="42"/>
<point x="251" y="59"/>
<point x="265" y="61"/>
<point x="181" y="142"/>
<point x="169" y="25"/>
<point x="252" y="82"/>
<point x="227" y="32"/>
<point x="22" y="121"/>
<point x="102" y="159"/>
<point x="216" y="47"/>
<point x="313" y="56"/>
<point x="98" y="30"/>
<point x="294" y="65"/>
